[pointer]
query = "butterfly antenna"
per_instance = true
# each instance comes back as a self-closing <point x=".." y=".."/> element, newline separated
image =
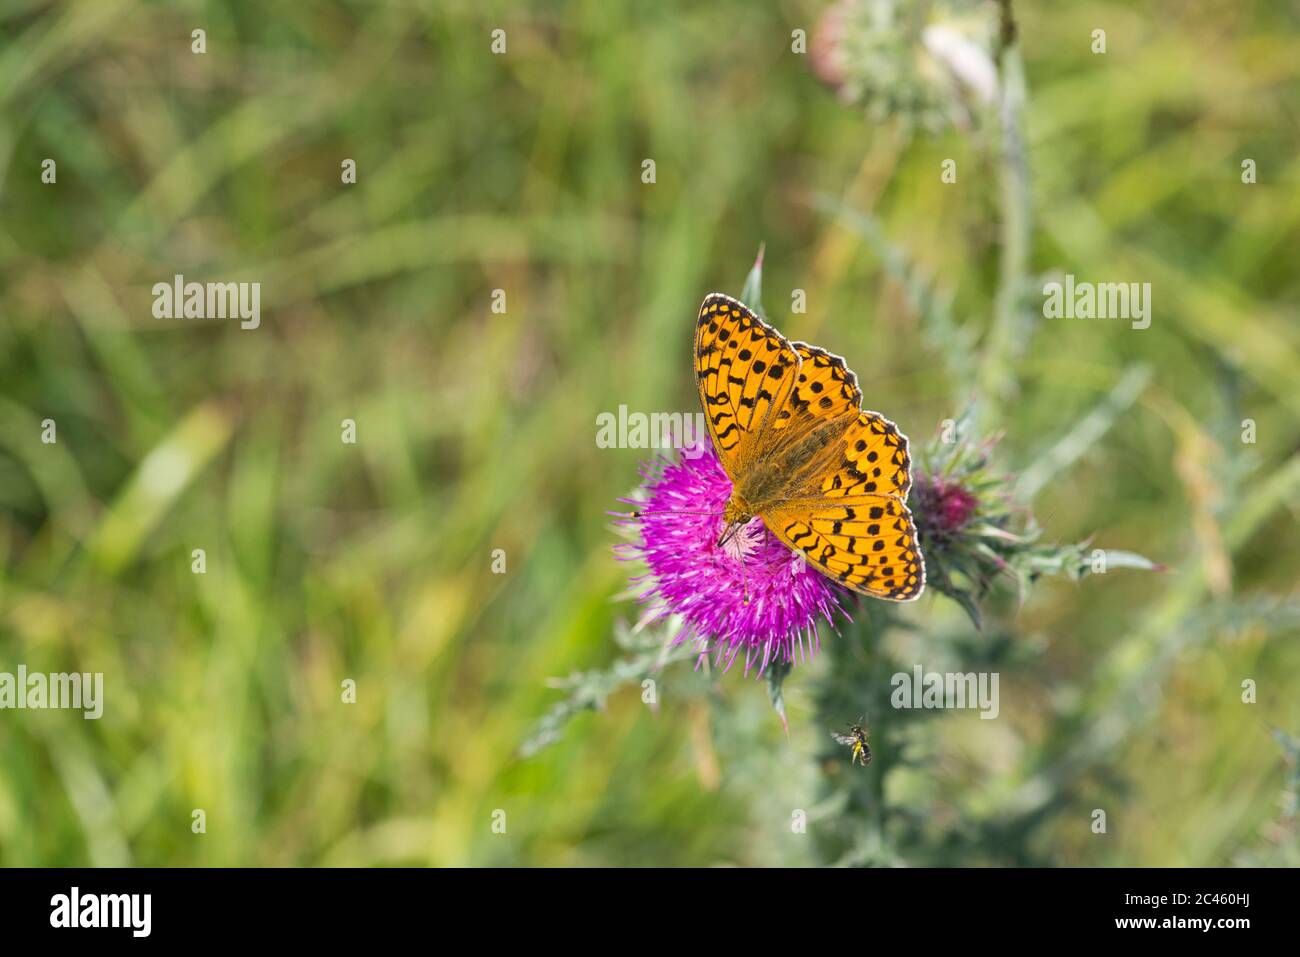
<point x="662" y="511"/>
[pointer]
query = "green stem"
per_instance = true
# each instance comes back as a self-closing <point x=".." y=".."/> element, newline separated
<point x="1006" y="337"/>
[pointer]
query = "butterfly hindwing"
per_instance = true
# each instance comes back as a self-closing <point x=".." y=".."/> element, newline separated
<point x="744" y="369"/>
<point x="874" y="460"/>
<point x="867" y="543"/>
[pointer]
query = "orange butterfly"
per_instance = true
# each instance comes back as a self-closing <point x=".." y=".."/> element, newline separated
<point x="828" y="479"/>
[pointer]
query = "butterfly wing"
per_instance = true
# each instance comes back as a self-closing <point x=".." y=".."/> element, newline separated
<point x="865" y="542"/>
<point x="837" y="448"/>
<point x="745" y="369"/>
<point x="874" y="460"/>
<point x="824" y="390"/>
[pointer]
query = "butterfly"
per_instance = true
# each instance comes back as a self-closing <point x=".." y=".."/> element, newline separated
<point x="827" y="478"/>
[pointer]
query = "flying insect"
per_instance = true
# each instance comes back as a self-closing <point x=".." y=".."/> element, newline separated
<point x="856" y="738"/>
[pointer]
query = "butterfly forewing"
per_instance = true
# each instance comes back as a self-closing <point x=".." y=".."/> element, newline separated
<point x="744" y="369"/>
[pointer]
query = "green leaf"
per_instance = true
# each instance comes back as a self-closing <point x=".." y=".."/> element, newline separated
<point x="1084" y="434"/>
<point x="589" y="690"/>
<point x="752" y="293"/>
<point x="161" y="478"/>
<point x="1121" y="559"/>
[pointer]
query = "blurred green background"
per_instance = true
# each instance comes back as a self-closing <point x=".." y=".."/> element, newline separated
<point x="476" y="431"/>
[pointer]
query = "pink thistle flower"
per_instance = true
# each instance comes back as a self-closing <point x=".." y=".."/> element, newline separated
<point x="945" y="506"/>
<point x="750" y="595"/>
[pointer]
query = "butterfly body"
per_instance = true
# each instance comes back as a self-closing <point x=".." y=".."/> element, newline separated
<point x="738" y="511"/>
<point x="778" y="478"/>
<point x="827" y="478"/>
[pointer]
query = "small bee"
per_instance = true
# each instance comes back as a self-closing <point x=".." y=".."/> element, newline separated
<point x="857" y="739"/>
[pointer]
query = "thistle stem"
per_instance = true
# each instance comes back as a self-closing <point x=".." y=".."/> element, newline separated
<point x="1007" y="336"/>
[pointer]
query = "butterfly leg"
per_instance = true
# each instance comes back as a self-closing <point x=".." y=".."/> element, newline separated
<point x="727" y="535"/>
